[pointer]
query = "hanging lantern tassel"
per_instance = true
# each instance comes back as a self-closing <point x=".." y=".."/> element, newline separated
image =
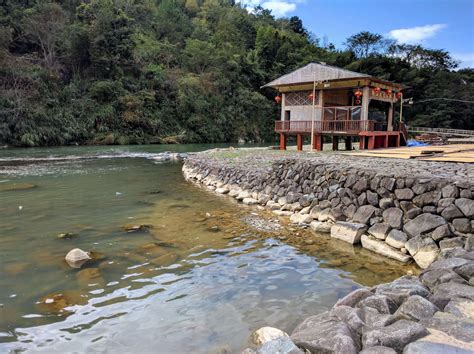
<point x="278" y="99"/>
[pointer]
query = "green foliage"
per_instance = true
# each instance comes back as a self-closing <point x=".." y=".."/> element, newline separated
<point x="133" y="72"/>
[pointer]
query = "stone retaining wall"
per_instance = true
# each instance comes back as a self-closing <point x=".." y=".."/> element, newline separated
<point x="405" y="210"/>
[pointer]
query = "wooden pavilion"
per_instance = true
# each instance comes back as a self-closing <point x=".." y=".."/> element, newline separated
<point x="320" y="99"/>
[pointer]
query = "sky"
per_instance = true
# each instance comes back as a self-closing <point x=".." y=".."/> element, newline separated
<point x="437" y="24"/>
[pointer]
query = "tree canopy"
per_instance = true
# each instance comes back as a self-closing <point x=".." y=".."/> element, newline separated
<point x="145" y="71"/>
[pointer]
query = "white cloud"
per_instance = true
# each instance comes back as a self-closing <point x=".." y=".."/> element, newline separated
<point x="415" y="34"/>
<point x="279" y="8"/>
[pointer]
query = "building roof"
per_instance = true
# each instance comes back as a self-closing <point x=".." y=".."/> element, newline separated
<point x="315" y="72"/>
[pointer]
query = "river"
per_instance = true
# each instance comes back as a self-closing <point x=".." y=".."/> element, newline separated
<point x="198" y="277"/>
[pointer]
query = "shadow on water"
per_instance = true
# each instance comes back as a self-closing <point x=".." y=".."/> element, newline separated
<point x="176" y="267"/>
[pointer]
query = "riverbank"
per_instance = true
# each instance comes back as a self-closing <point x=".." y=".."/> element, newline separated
<point x="402" y="209"/>
<point x="410" y="211"/>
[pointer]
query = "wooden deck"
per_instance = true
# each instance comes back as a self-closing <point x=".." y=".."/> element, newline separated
<point x="448" y="153"/>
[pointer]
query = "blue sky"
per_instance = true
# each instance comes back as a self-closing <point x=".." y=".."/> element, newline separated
<point x="443" y="24"/>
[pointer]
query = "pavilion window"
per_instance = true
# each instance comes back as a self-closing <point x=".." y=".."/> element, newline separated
<point x="300" y="98"/>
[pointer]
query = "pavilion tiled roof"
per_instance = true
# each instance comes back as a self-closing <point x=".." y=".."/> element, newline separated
<point x="315" y="72"/>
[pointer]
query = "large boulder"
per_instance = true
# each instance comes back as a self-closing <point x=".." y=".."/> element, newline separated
<point x="461" y="308"/>
<point x="423" y="223"/>
<point x="402" y="288"/>
<point x="460" y="328"/>
<point x="347" y="231"/>
<point x="404" y="194"/>
<point x="395" y="336"/>
<point x="430" y="198"/>
<point x="301" y="218"/>
<point x="325" y="333"/>
<point x="397" y="239"/>
<point x="451" y="212"/>
<point x="450" y="191"/>
<point x="381" y="303"/>
<point x="445" y="292"/>
<point x="379" y="230"/>
<point x="433" y="277"/>
<point x="364" y="213"/>
<point x="354" y="297"/>
<point x="451" y="243"/>
<point x="441" y="232"/>
<point x="462" y="225"/>
<point x="319" y="226"/>
<point x="393" y="217"/>
<point x="382" y="248"/>
<point x="466" y="206"/>
<point x="76" y="258"/>
<point x="439" y="343"/>
<point x="415" y="308"/>
<point x="423" y="250"/>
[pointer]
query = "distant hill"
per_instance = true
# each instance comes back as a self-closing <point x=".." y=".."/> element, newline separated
<point x="120" y="72"/>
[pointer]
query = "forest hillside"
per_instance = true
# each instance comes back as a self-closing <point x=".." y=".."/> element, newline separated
<point x="154" y="71"/>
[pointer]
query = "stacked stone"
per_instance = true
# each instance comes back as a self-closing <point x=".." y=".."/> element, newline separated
<point x="432" y="313"/>
<point x="392" y="213"/>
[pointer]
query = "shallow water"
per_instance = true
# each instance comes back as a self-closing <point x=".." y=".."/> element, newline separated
<point x="198" y="279"/>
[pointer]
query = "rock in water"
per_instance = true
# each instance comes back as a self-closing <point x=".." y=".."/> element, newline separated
<point x="77" y="257"/>
<point x="347" y="231"/>
<point x="267" y="334"/>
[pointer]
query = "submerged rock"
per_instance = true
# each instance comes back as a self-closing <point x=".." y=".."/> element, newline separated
<point x="66" y="235"/>
<point x="57" y="302"/>
<point x="76" y="258"/>
<point x="136" y="227"/>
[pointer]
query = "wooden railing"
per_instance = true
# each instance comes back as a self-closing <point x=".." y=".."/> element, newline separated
<point x="446" y="131"/>
<point x="325" y="126"/>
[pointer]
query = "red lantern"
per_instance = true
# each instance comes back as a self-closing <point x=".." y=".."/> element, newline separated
<point x="389" y="92"/>
<point x="377" y="90"/>
<point x="311" y="96"/>
<point x="358" y="93"/>
<point x="277" y="99"/>
<point x="399" y="95"/>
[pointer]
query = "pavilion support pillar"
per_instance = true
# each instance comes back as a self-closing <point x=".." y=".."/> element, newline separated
<point x="398" y="139"/>
<point x="364" y="113"/>
<point x="385" y="144"/>
<point x="371" y="142"/>
<point x="348" y="143"/>
<point x="318" y="142"/>
<point x="335" y="143"/>
<point x="390" y="118"/>
<point x="282" y="141"/>
<point x="361" y="142"/>
<point x="299" y="142"/>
